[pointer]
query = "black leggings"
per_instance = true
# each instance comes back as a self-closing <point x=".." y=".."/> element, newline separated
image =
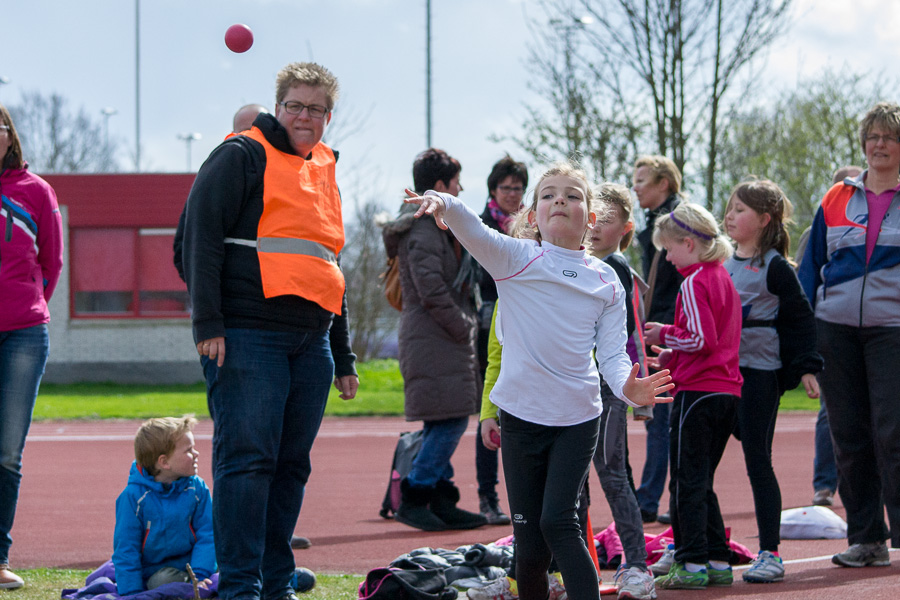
<point x="545" y="468"/>
<point x="757" y="411"/>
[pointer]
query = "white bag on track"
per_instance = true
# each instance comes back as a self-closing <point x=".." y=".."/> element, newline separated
<point x="812" y="523"/>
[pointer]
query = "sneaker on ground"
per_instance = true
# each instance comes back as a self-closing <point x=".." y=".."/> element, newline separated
<point x="490" y="509"/>
<point x="665" y="562"/>
<point x="634" y="583"/>
<point x="719" y="577"/>
<point x="766" y="568"/>
<point x="664" y="518"/>
<point x="874" y="554"/>
<point x="679" y="578"/>
<point x="557" y="589"/>
<point x="495" y="590"/>
<point x="823" y="497"/>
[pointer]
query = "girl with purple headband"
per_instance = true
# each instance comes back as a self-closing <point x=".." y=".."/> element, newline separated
<point x="701" y="351"/>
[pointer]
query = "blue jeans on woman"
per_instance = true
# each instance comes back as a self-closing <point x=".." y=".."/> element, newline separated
<point x="23" y="356"/>
<point x="267" y="402"/>
<point x="824" y="465"/>
<point x="656" y="464"/>
<point x="439" y="442"/>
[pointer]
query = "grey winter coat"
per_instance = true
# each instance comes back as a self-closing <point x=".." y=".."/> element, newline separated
<point x="437" y="324"/>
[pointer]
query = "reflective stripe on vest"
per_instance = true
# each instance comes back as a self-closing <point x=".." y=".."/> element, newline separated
<point x="301" y="230"/>
<point x="287" y="246"/>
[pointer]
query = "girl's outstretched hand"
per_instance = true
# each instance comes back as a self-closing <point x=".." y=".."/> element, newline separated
<point x="811" y="385"/>
<point x="428" y="205"/>
<point x="647" y="390"/>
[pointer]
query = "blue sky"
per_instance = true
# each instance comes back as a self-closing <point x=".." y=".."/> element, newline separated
<point x="190" y="82"/>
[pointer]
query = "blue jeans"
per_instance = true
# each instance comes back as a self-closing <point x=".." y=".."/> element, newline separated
<point x="824" y="465"/>
<point x="267" y="403"/>
<point x="439" y="442"/>
<point x="23" y="356"/>
<point x="656" y="465"/>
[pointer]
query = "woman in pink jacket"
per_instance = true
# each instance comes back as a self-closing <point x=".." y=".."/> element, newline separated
<point x="31" y="254"/>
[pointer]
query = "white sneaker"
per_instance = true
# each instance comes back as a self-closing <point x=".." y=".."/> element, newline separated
<point x="495" y="590"/>
<point x="665" y="562"/>
<point x="635" y="583"/>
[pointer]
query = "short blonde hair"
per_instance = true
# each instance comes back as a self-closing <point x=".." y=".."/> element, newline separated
<point x="661" y="167"/>
<point x="693" y="221"/>
<point x="307" y="73"/>
<point x="885" y="115"/>
<point x="157" y="437"/>
<point x="618" y="198"/>
<point x="522" y="229"/>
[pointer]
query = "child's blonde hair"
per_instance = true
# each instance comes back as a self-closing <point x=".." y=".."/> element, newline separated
<point x="521" y="228"/>
<point x="618" y="198"/>
<point x="697" y="223"/>
<point x="765" y="197"/>
<point x="157" y="437"/>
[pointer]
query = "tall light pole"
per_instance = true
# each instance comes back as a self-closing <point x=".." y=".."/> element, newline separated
<point x="428" y="73"/>
<point x="188" y="138"/>
<point x="137" y="85"/>
<point x="107" y="113"/>
<point x="4" y="80"/>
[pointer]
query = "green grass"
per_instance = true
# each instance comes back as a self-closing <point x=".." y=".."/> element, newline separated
<point x="380" y="393"/>
<point x="797" y="399"/>
<point x="41" y="584"/>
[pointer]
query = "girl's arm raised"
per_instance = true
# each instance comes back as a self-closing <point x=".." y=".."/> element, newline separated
<point x="499" y="254"/>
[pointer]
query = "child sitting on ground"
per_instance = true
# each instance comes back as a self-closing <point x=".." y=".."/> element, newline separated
<point x="164" y="515"/>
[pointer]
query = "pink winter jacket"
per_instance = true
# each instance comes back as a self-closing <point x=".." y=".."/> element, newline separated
<point x="31" y="249"/>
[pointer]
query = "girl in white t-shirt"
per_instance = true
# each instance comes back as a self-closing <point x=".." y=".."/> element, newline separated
<point x="558" y="304"/>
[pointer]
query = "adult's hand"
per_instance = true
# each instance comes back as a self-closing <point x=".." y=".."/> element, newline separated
<point x="214" y="348"/>
<point x="347" y="386"/>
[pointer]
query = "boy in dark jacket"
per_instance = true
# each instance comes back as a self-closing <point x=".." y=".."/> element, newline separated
<point x="164" y="515"/>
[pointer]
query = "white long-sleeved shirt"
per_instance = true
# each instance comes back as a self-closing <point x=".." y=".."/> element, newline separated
<point x="556" y="306"/>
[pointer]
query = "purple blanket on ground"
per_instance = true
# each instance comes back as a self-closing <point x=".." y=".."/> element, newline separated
<point x="101" y="585"/>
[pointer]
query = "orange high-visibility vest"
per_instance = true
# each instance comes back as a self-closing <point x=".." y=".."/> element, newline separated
<point x="301" y="230"/>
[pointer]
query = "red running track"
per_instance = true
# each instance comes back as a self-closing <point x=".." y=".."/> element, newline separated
<point x="73" y="472"/>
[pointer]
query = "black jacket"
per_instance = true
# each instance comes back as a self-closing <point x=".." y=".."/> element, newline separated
<point x="224" y="280"/>
<point x="661" y="308"/>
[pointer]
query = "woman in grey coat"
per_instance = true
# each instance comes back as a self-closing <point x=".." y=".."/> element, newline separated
<point x="438" y="279"/>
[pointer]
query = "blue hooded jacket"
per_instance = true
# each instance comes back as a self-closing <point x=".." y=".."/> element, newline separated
<point x="158" y="527"/>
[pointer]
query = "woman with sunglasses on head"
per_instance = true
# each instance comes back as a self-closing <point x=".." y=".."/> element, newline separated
<point x="31" y="257"/>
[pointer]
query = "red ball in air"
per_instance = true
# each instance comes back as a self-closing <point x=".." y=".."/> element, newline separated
<point x="239" y="38"/>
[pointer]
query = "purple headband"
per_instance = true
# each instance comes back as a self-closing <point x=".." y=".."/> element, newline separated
<point x="704" y="236"/>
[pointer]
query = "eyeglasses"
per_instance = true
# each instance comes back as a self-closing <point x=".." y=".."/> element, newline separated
<point x="886" y="138"/>
<point x="511" y="189"/>
<point x="295" y="108"/>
